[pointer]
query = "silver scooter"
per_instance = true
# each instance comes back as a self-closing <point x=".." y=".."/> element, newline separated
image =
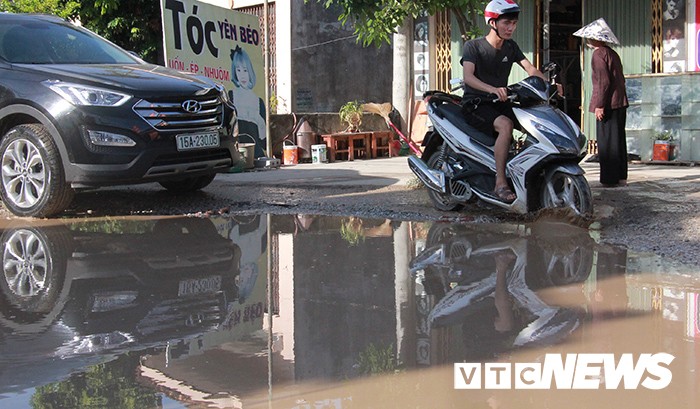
<point x="458" y="165"/>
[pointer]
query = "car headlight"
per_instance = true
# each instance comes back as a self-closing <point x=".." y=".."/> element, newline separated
<point x="224" y="95"/>
<point x="85" y="95"/>
<point x="222" y="92"/>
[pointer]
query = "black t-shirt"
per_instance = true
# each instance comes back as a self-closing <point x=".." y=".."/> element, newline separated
<point x="491" y="66"/>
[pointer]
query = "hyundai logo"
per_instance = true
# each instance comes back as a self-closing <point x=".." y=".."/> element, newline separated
<point x="191" y="106"/>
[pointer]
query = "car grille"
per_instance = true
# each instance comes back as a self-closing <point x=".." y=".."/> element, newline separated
<point x="161" y="262"/>
<point x="187" y="162"/>
<point x="192" y="157"/>
<point x="182" y="316"/>
<point x="170" y="115"/>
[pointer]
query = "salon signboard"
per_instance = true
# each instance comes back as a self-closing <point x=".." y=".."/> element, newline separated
<point x="225" y="46"/>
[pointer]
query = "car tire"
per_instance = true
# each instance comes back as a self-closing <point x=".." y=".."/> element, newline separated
<point x="32" y="182"/>
<point x="33" y="285"/>
<point x="190" y="184"/>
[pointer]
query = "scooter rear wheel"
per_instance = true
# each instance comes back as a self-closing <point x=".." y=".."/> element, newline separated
<point x="563" y="190"/>
<point x="442" y="202"/>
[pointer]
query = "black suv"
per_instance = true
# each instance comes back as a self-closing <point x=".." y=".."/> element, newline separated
<point x="78" y="112"/>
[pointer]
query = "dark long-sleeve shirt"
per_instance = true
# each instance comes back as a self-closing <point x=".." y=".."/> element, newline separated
<point x="608" y="80"/>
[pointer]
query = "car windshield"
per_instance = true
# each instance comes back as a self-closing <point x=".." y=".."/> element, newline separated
<point x="52" y="42"/>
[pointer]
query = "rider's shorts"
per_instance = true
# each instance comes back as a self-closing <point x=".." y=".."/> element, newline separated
<point x="482" y="116"/>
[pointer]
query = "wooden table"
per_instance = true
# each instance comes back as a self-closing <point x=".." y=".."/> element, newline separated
<point x="343" y="143"/>
<point x="380" y="141"/>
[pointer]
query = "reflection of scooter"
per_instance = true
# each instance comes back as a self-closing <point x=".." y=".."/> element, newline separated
<point x="487" y="281"/>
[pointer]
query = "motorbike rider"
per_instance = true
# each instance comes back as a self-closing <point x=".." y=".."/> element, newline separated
<point x="486" y="63"/>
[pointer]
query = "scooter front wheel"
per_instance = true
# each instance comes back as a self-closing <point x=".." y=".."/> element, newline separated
<point x="442" y="202"/>
<point x="563" y="190"/>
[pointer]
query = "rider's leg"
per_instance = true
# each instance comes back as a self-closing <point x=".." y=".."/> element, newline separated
<point x="504" y="128"/>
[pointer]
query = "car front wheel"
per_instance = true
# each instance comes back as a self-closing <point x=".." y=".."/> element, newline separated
<point x="33" y="183"/>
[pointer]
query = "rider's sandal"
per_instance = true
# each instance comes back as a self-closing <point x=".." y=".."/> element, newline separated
<point x="504" y="194"/>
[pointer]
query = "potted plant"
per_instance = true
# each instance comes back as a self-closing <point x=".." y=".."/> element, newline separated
<point x="664" y="146"/>
<point x="351" y="114"/>
<point x="351" y="231"/>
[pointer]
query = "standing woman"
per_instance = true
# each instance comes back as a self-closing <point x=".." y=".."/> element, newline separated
<point x="608" y="103"/>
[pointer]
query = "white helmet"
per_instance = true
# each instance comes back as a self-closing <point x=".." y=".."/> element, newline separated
<point x="497" y="8"/>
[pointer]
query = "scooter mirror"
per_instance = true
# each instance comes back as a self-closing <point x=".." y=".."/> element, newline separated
<point x="550" y="67"/>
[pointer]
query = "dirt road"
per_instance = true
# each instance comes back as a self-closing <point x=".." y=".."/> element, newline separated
<point x="658" y="212"/>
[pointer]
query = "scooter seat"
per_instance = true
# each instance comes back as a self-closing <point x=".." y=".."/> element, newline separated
<point x="454" y="115"/>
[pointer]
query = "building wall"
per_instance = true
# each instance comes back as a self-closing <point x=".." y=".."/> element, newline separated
<point x="333" y="327"/>
<point x="320" y="67"/>
<point x="664" y="102"/>
<point x="658" y="102"/>
<point x="328" y="66"/>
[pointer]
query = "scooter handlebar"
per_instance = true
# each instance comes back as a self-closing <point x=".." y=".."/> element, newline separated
<point x="456" y="84"/>
<point x="494" y="98"/>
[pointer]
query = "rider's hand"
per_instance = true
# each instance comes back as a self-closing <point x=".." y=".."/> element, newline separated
<point x="501" y="93"/>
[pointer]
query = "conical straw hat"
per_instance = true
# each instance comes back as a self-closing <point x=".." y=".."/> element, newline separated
<point x="598" y="30"/>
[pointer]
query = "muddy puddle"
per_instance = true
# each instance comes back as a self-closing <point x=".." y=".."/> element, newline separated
<point x="336" y="312"/>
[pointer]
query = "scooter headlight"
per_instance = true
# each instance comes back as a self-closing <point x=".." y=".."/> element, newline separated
<point x="562" y="143"/>
<point x="580" y="137"/>
<point x="582" y="143"/>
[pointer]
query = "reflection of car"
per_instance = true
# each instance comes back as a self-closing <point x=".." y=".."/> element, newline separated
<point x="82" y="292"/>
<point x="78" y="112"/>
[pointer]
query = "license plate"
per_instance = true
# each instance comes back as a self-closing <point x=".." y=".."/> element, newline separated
<point x="199" y="286"/>
<point x="186" y="142"/>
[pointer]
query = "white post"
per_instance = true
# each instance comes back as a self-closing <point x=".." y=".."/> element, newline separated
<point x="268" y="137"/>
<point x="402" y="289"/>
<point x="401" y="85"/>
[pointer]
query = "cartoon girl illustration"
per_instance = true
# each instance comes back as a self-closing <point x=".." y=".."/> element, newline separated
<point x="250" y="107"/>
<point x="246" y="281"/>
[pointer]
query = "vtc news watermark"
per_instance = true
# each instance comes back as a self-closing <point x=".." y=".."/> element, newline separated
<point x="570" y="371"/>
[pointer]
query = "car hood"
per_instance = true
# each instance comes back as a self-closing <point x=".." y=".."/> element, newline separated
<point x="137" y="79"/>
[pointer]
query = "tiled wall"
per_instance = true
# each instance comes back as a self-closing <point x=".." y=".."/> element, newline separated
<point x="664" y="102"/>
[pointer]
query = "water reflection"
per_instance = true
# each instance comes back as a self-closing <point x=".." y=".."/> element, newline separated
<point x="86" y="293"/>
<point x="187" y="310"/>
<point x="485" y="283"/>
